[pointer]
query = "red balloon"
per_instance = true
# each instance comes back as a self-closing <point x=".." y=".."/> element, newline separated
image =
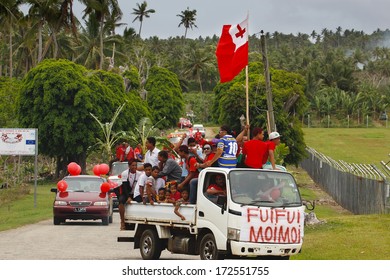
<point x="63" y="194"/>
<point x="96" y="170"/>
<point x="62" y="185"/>
<point x="104" y="168"/>
<point x="78" y="171"/>
<point x="105" y="187"/>
<point x="74" y="169"/>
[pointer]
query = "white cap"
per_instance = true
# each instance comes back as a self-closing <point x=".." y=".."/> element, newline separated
<point x="274" y="135"/>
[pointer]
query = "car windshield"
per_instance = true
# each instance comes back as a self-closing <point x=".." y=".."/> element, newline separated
<point x="84" y="184"/>
<point x="200" y="127"/>
<point x="264" y="188"/>
<point x="174" y="140"/>
<point x="118" y="167"/>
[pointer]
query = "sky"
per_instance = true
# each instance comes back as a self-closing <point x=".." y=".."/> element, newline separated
<point x="283" y="16"/>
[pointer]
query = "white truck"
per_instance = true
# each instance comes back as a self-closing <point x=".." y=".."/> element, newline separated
<point x="261" y="216"/>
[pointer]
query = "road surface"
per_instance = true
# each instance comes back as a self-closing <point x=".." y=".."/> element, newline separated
<point x="75" y="240"/>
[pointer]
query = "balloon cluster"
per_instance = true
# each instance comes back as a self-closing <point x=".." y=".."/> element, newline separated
<point x="101" y="169"/>
<point x="74" y="169"/>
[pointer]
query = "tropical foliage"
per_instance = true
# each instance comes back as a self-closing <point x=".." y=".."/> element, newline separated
<point x="164" y="97"/>
<point x="331" y="76"/>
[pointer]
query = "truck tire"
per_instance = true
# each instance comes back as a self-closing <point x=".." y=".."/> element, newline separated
<point x="150" y="246"/>
<point x="208" y="248"/>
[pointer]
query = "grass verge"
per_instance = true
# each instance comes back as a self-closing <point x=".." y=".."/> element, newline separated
<point x="22" y="211"/>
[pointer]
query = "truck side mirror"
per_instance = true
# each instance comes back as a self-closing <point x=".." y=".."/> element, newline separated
<point x="309" y="205"/>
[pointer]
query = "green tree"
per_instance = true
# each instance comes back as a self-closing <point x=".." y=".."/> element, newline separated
<point x="187" y="19"/>
<point x="142" y="12"/>
<point x="9" y="92"/>
<point x="287" y="88"/>
<point x="164" y="96"/>
<point x="57" y="97"/>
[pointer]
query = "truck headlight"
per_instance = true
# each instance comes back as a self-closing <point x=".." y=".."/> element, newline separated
<point x="233" y="234"/>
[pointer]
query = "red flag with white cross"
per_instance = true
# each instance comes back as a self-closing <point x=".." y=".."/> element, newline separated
<point x="232" y="50"/>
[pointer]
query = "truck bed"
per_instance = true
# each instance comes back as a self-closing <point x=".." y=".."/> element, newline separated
<point x="160" y="213"/>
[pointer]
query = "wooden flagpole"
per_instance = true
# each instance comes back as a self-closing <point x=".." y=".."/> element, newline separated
<point x="247" y="82"/>
<point x="247" y="98"/>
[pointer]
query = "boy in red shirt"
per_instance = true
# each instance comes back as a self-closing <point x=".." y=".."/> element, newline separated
<point x="274" y="140"/>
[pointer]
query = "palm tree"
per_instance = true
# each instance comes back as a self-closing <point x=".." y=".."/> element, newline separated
<point x="88" y="47"/>
<point x="42" y="12"/>
<point x="197" y="63"/>
<point x="64" y="19"/>
<point x="102" y="10"/>
<point x="187" y="20"/>
<point x="9" y="12"/>
<point x="140" y="13"/>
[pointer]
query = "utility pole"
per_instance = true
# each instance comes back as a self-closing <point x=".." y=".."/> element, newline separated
<point x="270" y="112"/>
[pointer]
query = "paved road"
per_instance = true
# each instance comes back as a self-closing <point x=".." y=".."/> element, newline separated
<point x="84" y="240"/>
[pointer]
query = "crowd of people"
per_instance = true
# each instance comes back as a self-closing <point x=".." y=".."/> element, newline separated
<point x="162" y="178"/>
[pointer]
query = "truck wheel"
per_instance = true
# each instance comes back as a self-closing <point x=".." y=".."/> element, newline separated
<point x="150" y="246"/>
<point x="208" y="248"/>
<point x="105" y="221"/>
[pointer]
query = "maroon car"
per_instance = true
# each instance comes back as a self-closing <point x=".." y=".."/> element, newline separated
<point x="82" y="199"/>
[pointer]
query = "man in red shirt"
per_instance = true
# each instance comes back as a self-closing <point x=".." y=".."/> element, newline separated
<point x="274" y="140"/>
<point x="120" y="152"/>
<point x="254" y="150"/>
<point x="219" y="188"/>
<point x="129" y="153"/>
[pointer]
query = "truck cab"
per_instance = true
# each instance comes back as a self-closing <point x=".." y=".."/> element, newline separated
<point x="261" y="215"/>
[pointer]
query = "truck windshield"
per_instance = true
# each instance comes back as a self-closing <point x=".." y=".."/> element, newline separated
<point x="264" y="188"/>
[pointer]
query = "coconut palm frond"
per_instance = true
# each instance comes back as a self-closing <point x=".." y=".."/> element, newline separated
<point x="109" y="137"/>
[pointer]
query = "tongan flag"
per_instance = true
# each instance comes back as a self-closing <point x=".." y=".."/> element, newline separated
<point x="232" y="50"/>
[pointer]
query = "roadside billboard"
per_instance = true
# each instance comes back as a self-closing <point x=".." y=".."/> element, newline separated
<point x="18" y="141"/>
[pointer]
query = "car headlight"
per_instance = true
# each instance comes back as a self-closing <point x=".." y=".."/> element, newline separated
<point x="60" y="203"/>
<point x="100" y="203"/>
<point x="233" y="234"/>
